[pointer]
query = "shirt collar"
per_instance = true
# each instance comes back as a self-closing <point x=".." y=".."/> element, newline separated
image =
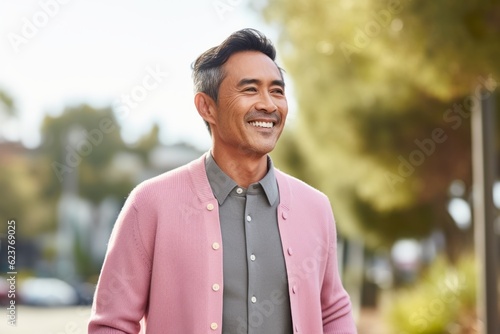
<point x="222" y="184"/>
<point x="269" y="183"/>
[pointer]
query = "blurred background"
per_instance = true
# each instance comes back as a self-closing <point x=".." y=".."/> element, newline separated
<point x="96" y="97"/>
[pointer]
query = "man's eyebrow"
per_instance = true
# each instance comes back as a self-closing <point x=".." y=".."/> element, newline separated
<point x="244" y="82"/>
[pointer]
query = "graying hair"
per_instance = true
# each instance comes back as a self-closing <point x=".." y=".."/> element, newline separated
<point x="208" y="81"/>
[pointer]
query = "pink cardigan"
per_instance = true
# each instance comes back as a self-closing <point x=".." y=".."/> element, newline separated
<point x="165" y="255"/>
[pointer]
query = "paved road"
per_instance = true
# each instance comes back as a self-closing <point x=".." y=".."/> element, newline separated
<point x="39" y="320"/>
<point x="370" y="322"/>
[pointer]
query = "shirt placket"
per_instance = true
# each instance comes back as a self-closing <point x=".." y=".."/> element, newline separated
<point x="254" y="321"/>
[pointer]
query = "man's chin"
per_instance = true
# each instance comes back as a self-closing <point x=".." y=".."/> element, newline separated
<point x="256" y="151"/>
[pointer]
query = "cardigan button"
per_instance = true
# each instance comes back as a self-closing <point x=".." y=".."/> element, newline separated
<point x="210" y="206"/>
<point x="215" y="246"/>
<point x="214" y="326"/>
<point x="216" y="287"/>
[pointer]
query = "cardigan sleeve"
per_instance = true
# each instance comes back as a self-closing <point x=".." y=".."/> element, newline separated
<point x="335" y="302"/>
<point x="122" y="291"/>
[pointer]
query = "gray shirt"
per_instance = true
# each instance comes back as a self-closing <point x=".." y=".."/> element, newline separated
<point x="255" y="291"/>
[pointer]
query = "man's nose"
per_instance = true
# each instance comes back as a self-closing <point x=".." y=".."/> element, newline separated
<point x="266" y="103"/>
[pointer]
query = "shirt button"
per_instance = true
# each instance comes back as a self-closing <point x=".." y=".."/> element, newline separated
<point x="284" y="215"/>
<point x="214" y="326"/>
<point x="253" y="299"/>
<point x="294" y="289"/>
<point x="239" y="190"/>
<point x="249" y="219"/>
<point x="252" y="257"/>
<point x="210" y="206"/>
<point x="289" y="250"/>
<point x="215" y="287"/>
<point x="215" y="246"/>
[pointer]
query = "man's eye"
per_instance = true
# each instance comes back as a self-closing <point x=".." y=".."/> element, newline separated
<point x="279" y="91"/>
<point x="250" y="89"/>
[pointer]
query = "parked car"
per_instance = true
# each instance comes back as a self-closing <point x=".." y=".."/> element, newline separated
<point x="47" y="292"/>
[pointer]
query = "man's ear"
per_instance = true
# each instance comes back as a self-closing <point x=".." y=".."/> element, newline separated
<point x="206" y="107"/>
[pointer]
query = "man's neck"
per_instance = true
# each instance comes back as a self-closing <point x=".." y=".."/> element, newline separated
<point x="244" y="169"/>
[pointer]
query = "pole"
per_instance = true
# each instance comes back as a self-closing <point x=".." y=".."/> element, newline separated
<point x="483" y="163"/>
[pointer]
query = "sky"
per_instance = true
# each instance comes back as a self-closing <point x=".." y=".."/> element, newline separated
<point x="129" y="54"/>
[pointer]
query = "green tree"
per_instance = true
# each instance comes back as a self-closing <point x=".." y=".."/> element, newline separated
<point x="7" y="106"/>
<point x="384" y="94"/>
<point x="81" y="144"/>
<point x="8" y="111"/>
<point x="147" y="143"/>
<point x="21" y="185"/>
<point x="21" y="182"/>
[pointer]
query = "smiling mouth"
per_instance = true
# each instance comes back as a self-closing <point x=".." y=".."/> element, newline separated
<point x="268" y="125"/>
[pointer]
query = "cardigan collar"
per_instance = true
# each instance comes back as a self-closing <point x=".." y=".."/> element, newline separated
<point x="201" y="185"/>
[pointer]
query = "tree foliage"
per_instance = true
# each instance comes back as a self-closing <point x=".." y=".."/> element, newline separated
<point x="7" y="105"/>
<point x="384" y="90"/>
<point x="81" y="143"/>
<point x="21" y="185"/>
<point x="21" y="181"/>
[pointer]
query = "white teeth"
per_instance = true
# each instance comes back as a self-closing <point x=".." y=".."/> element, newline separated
<point x="262" y="124"/>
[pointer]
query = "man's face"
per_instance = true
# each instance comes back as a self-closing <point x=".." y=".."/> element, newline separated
<point x="252" y="107"/>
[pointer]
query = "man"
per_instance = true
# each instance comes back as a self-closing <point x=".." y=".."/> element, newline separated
<point x="227" y="243"/>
